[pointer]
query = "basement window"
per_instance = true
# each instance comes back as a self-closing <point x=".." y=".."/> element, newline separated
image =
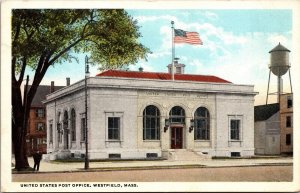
<point x="114" y="156"/>
<point x="151" y="155"/>
<point x="235" y="154"/>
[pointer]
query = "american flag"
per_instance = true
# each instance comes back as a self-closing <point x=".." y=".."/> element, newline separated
<point x="182" y="36"/>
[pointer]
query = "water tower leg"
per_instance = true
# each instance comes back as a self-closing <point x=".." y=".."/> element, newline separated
<point x="278" y="89"/>
<point x="290" y="81"/>
<point x="268" y="87"/>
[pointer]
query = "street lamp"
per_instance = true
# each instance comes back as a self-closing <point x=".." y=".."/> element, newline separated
<point x="87" y="74"/>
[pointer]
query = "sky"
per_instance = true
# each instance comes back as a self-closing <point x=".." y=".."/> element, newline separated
<point x="236" y="45"/>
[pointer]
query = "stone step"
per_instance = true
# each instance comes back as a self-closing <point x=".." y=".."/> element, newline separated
<point x="185" y="155"/>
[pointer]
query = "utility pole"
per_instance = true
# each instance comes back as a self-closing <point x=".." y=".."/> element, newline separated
<point x="87" y="74"/>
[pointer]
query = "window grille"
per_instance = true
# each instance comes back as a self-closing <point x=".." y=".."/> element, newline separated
<point x="202" y="126"/>
<point x="114" y="128"/>
<point x="177" y="115"/>
<point x="151" y="123"/>
<point x="235" y="129"/>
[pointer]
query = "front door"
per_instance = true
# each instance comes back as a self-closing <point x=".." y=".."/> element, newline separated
<point x="176" y="137"/>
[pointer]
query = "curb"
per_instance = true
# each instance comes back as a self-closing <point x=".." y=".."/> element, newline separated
<point x="104" y="169"/>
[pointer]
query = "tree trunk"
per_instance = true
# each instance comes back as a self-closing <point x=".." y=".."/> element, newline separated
<point x="21" y="114"/>
<point x="18" y="130"/>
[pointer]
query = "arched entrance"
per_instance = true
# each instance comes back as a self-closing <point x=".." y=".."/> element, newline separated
<point x="177" y="121"/>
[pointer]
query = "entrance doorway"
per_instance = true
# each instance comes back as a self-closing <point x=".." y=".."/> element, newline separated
<point x="176" y="137"/>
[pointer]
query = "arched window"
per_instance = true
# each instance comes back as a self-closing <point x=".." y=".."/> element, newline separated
<point x="59" y="128"/>
<point x="202" y="130"/>
<point x="73" y="125"/>
<point x="65" y="121"/>
<point x="177" y="115"/>
<point x="151" y="123"/>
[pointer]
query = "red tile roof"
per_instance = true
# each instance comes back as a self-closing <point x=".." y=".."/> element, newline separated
<point x="162" y="76"/>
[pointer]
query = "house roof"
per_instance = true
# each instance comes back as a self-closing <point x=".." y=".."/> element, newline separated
<point x="41" y="93"/>
<point x="162" y="76"/>
<point x="264" y="112"/>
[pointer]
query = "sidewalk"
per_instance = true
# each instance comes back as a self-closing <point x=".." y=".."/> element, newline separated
<point x="50" y="166"/>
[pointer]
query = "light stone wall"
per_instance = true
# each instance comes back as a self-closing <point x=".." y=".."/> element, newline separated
<point x="76" y="101"/>
<point x="112" y="102"/>
<point x="127" y="98"/>
<point x="267" y="136"/>
<point x="240" y="107"/>
<point x="260" y="133"/>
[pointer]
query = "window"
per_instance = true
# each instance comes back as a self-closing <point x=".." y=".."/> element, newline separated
<point x="66" y="120"/>
<point x="51" y="132"/>
<point x="201" y="118"/>
<point x="114" y="156"/>
<point x="59" y="129"/>
<point x="41" y="141"/>
<point x="177" y="115"/>
<point x="235" y="154"/>
<point x="289" y="102"/>
<point x="178" y="70"/>
<point x="40" y="113"/>
<point x="114" y="128"/>
<point x="40" y="126"/>
<point x="151" y="123"/>
<point x="151" y="155"/>
<point x="235" y="129"/>
<point x="288" y="139"/>
<point x="82" y="129"/>
<point x="59" y="132"/>
<point x="288" y="121"/>
<point x="73" y="125"/>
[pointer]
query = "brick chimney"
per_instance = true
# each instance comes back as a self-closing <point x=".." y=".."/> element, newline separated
<point x="52" y="87"/>
<point x="68" y="81"/>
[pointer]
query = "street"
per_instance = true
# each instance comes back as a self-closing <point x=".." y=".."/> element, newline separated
<point x="225" y="174"/>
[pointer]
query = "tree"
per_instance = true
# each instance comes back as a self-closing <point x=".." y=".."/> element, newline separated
<point x="45" y="37"/>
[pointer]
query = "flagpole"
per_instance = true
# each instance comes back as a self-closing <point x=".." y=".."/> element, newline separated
<point x="173" y="50"/>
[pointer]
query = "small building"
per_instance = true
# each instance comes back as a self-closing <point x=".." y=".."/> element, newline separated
<point x="136" y="114"/>
<point x="267" y="129"/>
<point x="286" y="125"/>
<point x="36" y="138"/>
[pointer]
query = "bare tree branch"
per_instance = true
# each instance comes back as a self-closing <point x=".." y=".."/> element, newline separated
<point x="64" y="51"/>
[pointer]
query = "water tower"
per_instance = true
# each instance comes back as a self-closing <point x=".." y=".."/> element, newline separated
<point x="279" y="66"/>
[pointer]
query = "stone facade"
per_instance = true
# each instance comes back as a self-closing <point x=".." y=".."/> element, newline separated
<point x="127" y="98"/>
